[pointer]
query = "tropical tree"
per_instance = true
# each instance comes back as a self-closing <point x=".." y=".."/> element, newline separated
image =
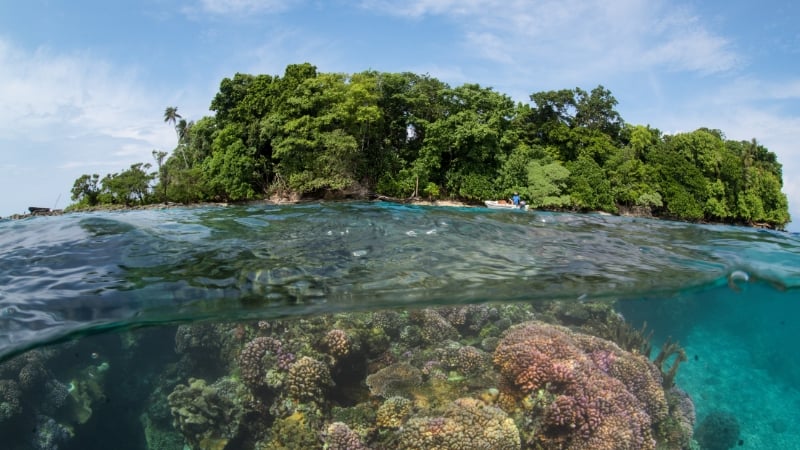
<point x="171" y="115"/>
<point x="129" y="185"/>
<point x="86" y="189"/>
<point x="162" y="173"/>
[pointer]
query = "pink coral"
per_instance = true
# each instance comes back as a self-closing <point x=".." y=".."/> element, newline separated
<point x="340" y="437"/>
<point x="337" y="343"/>
<point x="595" y="395"/>
<point x="251" y="359"/>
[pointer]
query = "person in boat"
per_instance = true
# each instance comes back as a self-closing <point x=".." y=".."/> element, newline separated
<point x="515" y="199"/>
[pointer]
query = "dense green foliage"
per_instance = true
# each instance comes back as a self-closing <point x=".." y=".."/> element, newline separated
<point x="407" y="135"/>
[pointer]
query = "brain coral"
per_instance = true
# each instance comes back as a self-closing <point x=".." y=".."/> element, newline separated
<point x="465" y="424"/>
<point x="596" y="396"/>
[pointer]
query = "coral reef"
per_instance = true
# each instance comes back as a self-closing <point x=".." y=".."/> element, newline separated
<point x="10" y="399"/>
<point x="49" y="434"/>
<point x="339" y="436"/>
<point x="338" y="343"/>
<point x="465" y="423"/>
<point x="465" y="376"/>
<point x="393" y="412"/>
<point x="256" y="358"/>
<point x="433" y="327"/>
<point x="298" y="430"/>
<point x="208" y="416"/>
<point x="593" y="394"/>
<point x="207" y="347"/>
<point x="308" y="380"/>
<point x="393" y="380"/>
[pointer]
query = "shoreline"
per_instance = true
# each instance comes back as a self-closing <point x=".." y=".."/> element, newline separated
<point x="293" y="200"/>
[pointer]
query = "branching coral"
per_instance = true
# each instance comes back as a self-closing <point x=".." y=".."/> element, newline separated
<point x="465" y="359"/>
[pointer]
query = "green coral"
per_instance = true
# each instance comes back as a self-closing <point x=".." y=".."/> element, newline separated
<point x="298" y="430"/>
<point x="208" y="416"/>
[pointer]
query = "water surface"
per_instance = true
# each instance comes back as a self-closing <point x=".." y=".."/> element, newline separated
<point x="727" y="294"/>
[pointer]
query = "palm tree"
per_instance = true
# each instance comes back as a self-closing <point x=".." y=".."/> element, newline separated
<point x="171" y="115"/>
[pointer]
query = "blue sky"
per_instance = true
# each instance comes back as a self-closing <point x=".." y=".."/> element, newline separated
<point x="84" y="84"/>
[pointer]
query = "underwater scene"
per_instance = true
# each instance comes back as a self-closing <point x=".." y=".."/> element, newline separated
<point x="374" y="325"/>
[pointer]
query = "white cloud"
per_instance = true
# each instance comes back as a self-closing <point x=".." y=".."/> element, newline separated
<point x="244" y="7"/>
<point x="47" y="95"/>
<point x="598" y="36"/>
<point x="67" y="113"/>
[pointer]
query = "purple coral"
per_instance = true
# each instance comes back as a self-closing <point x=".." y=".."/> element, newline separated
<point x="340" y="437"/>
<point x="251" y="359"/>
<point x="594" y="394"/>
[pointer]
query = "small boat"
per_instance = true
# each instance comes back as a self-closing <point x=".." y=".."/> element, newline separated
<point x="494" y="204"/>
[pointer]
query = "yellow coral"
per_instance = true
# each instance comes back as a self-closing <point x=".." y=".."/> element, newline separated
<point x="393" y="412"/>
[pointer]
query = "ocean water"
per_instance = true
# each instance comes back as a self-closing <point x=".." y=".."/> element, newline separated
<point x="108" y="321"/>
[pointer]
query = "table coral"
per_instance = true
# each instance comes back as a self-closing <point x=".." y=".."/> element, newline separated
<point x="395" y="379"/>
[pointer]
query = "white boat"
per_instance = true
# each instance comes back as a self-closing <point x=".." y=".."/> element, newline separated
<point x="494" y="204"/>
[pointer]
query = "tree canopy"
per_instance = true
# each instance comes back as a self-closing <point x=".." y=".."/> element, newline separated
<point x="406" y="135"/>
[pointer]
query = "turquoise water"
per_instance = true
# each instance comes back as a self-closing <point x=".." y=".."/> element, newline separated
<point x="108" y="296"/>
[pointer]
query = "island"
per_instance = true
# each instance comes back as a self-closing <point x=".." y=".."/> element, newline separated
<point x="308" y="134"/>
